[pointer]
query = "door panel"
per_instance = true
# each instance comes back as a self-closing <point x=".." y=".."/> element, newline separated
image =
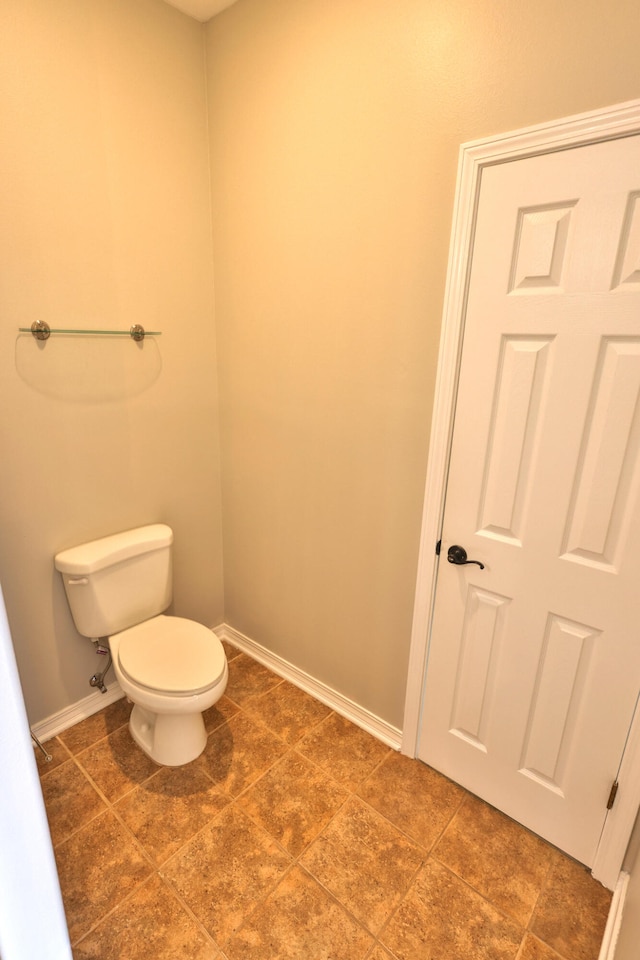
<point x="534" y="662"/>
<point x="520" y="385"/>
<point x="605" y="488"/>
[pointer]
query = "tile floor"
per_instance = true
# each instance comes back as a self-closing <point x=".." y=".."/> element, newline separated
<point x="296" y="835"/>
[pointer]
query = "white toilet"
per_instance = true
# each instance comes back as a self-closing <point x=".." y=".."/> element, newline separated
<point x="170" y="668"/>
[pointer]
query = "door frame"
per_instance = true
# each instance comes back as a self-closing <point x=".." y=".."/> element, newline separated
<point x="580" y="130"/>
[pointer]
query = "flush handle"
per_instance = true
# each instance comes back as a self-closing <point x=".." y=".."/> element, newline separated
<point x="77" y="582"/>
<point x="458" y="555"/>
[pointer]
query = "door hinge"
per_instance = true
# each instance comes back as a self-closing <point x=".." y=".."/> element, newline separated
<point x="612" y="795"/>
<point x="438" y="545"/>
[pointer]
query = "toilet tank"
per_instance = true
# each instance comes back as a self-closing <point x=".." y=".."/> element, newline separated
<point x="118" y="581"/>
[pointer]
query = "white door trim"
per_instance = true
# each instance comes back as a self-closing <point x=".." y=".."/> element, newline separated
<point x="583" y="129"/>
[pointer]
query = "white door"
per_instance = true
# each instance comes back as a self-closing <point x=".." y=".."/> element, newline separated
<point x="534" y="661"/>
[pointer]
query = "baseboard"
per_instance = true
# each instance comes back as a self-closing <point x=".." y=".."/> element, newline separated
<point x="612" y="929"/>
<point x="336" y="701"/>
<point x="57" y="722"/>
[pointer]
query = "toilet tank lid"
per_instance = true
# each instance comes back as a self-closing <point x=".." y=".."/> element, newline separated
<point x="90" y="557"/>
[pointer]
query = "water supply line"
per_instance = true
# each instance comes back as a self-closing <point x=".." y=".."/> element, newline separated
<point x="102" y="649"/>
<point x="42" y="747"/>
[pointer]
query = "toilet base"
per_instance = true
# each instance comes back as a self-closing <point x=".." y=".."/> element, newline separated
<point x="170" y="739"/>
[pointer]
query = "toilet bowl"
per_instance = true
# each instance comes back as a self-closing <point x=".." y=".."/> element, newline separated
<point x="171" y="668"/>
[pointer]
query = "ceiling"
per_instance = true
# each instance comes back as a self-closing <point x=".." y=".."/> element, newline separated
<point x="201" y="9"/>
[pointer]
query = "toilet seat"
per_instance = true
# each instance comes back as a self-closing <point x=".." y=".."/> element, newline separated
<point x="171" y="655"/>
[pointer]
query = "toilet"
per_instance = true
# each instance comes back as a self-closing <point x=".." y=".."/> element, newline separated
<point x="172" y="669"/>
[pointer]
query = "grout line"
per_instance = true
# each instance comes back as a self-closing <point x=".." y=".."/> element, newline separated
<point x="397" y="907"/>
<point x="155" y="868"/>
<point x="482" y="896"/>
<point x="198" y="833"/>
<point x="185" y="906"/>
<point x="339" y="903"/>
<point x="117" y="816"/>
<point x="295" y="860"/>
<point x="542" y="889"/>
<point x="295" y="857"/>
<point x="259" y="719"/>
<point x="111" y="910"/>
<point x="378" y="944"/>
<point x="44" y="768"/>
<point x="98" y="739"/>
<point x="271" y="889"/>
<point x="422" y="848"/>
<point x="376" y="935"/>
<point x="102" y="794"/>
<point x="463" y="800"/>
<point x="92" y="819"/>
<point x="351" y="794"/>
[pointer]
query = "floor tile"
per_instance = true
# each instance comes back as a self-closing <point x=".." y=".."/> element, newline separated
<point x="219" y="713"/>
<point x="497" y="857"/>
<point x="441" y="917"/>
<point x="56" y="750"/>
<point x="293" y="801"/>
<point x="287" y="710"/>
<point x="572" y="912"/>
<point x="299" y="920"/>
<point x="343" y="750"/>
<point x="70" y="800"/>
<point x="117" y="764"/>
<point x="230" y="651"/>
<point x="379" y="953"/>
<point x="150" y="925"/>
<point x="364" y="862"/>
<point x="169" y="808"/>
<point x="100" y="725"/>
<point x="98" y="867"/>
<point x="296" y="836"/>
<point x="248" y="678"/>
<point x="534" y="949"/>
<point x="238" y="752"/>
<point x="415" y="798"/>
<point x="225" y="871"/>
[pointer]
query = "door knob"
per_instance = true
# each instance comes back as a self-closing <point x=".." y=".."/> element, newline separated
<point x="458" y="555"/>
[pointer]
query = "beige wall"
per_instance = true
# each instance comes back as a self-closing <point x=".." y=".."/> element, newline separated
<point x="335" y="129"/>
<point x="629" y="935"/>
<point x="104" y="221"/>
